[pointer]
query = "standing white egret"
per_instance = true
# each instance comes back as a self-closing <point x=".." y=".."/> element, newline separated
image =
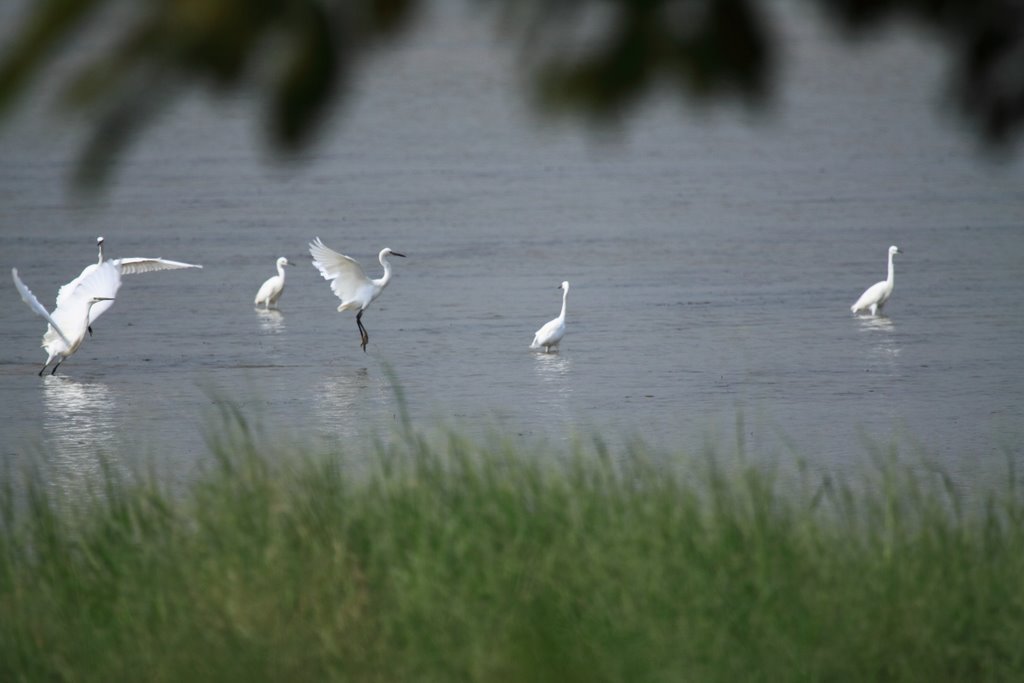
<point x="69" y="322"/>
<point x="127" y="266"/>
<point x="349" y="282"/>
<point x="552" y="332"/>
<point x="271" y="290"/>
<point x="875" y="296"/>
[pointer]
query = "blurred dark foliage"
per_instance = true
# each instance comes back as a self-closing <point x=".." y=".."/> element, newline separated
<point x="296" y="54"/>
<point x="985" y="42"/>
<point x="596" y="58"/>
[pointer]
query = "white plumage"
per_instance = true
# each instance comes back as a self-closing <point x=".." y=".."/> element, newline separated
<point x="126" y="266"/>
<point x="348" y="281"/>
<point x="552" y="332"/>
<point x="271" y="290"/>
<point x="875" y="296"/>
<point x="69" y="322"/>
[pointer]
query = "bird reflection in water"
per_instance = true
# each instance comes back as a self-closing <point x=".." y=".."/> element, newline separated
<point x="878" y="323"/>
<point x="79" y="427"/>
<point x="882" y="330"/>
<point x="271" y="320"/>
<point x="341" y="398"/>
<point x="555" y="373"/>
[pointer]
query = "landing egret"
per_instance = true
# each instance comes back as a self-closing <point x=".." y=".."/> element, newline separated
<point x="553" y="330"/>
<point x="127" y="266"/>
<point x="349" y="282"/>
<point x="875" y="296"/>
<point x="271" y="290"/>
<point x="69" y="322"/>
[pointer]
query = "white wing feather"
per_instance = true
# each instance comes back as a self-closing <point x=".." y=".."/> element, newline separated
<point x="104" y="286"/>
<point x="103" y="281"/>
<point x="29" y="298"/>
<point x="64" y="293"/>
<point x="550" y="334"/>
<point x="872" y="295"/>
<point x="131" y="266"/>
<point x="127" y="266"/>
<point x="345" y="273"/>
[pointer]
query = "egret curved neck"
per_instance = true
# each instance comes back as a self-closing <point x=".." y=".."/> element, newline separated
<point x="565" y="296"/>
<point x="891" y="275"/>
<point x="384" y="279"/>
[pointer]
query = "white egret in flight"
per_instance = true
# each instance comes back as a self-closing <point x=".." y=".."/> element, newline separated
<point x="875" y="296"/>
<point x="69" y="322"/>
<point x="271" y="290"/>
<point x="349" y="282"/>
<point x="552" y="332"/>
<point x="128" y="266"/>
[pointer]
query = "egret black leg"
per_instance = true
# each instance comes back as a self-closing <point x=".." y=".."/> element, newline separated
<point x="90" y="330"/>
<point x="54" y="371"/>
<point x="43" y="369"/>
<point x="364" y="336"/>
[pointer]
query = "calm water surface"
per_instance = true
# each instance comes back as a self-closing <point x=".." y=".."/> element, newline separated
<point x="713" y="259"/>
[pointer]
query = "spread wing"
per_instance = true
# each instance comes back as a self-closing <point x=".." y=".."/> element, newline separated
<point x="126" y="266"/>
<point x="64" y="293"/>
<point x="29" y="298"/>
<point x="131" y="266"/>
<point x="345" y="273"/>
<point x="102" y="281"/>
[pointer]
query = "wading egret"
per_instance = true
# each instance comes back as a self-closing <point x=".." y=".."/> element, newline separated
<point x="127" y="266"/>
<point x="69" y="322"/>
<point x="553" y="330"/>
<point x="271" y="290"/>
<point x="875" y="296"/>
<point x="349" y="282"/>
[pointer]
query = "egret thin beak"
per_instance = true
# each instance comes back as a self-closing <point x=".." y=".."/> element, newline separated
<point x="395" y="253"/>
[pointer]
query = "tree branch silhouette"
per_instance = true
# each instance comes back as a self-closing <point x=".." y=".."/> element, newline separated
<point x="590" y="58"/>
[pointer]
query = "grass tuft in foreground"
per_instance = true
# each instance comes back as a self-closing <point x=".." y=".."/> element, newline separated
<point x="464" y="562"/>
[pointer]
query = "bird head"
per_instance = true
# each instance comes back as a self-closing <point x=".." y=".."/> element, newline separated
<point x="284" y="262"/>
<point x="387" y="251"/>
<point x="97" y="299"/>
<point x="894" y="250"/>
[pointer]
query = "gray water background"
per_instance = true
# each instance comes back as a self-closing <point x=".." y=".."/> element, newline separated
<point x="713" y="257"/>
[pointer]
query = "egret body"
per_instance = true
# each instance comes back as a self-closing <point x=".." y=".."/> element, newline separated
<point x="69" y="322"/>
<point x="271" y="290"/>
<point x="875" y="296"/>
<point x="552" y="332"/>
<point x="348" y="281"/>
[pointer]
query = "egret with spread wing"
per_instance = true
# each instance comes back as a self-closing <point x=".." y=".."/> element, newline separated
<point x="552" y="332"/>
<point x="875" y="296"/>
<point x="127" y="266"/>
<point x="349" y="282"/>
<point x="69" y="322"/>
<point x="271" y="290"/>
